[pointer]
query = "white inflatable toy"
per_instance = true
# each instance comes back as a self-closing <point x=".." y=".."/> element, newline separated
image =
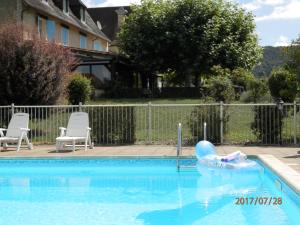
<point x="206" y="155"/>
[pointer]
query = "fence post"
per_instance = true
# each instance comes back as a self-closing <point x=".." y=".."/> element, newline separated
<point x="12" y="108"/>
<point x="295" y="123"/>
<point x="80" y="106"/>
<point x="149" y="123"/>
<point x="221" y="122"/>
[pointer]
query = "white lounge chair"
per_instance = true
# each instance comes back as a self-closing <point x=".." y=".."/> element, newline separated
<point x="17" y="131"/>
<point x="77" y="131"/>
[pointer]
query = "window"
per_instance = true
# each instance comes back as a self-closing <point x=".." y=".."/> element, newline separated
<point x="82" y="14"/>
<point x="98" y="46"/>
<point x="50" y="30"/>
<point x="83" y="41"/>
<point x="66" y="6"/>
<point x="40" y="26"/>
<point x="65" y="36"/>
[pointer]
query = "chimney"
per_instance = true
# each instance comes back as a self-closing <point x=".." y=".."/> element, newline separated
<point x="121" y="12"/>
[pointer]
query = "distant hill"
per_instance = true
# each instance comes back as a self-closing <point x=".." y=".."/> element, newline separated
<point x="273" y="57"/>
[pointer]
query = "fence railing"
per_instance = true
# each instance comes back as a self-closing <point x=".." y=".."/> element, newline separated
<point x="266" y="124"/>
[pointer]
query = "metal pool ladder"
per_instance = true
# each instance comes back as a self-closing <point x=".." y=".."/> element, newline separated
<point x="179" y="145"/>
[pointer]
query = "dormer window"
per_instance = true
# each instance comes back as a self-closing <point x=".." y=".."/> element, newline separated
<point x="66" y="6"/>
<point x="82" y="15"/>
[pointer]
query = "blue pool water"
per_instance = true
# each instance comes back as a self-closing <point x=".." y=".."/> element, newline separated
<point x="136" y="192"/>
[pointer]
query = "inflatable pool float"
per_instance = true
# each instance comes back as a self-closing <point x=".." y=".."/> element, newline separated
<point x="206" y="155"/>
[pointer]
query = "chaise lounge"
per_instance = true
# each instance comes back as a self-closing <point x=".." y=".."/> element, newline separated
<point x="77" y="131"/>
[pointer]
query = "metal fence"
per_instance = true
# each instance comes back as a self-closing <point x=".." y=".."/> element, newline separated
<point x="266" y="124"/>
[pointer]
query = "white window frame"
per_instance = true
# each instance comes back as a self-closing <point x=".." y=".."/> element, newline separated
<point x="40" y="26"/>
<point x="66" y="8"/>
<point x="83" y="14"/>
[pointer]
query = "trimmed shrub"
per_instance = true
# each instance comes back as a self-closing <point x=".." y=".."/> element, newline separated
<point x="79" y="89"/>
<point x="283" y="84"/>
<point x="220" y="89"/>
<point x="255" y="90"/>
<point x="113" y="125"/>
<point x="32" y="71"/>
<point x="267" y="124"/>
<point x="241" y="77"/>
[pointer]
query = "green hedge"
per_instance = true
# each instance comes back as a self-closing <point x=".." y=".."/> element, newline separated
<point x="113" y="125"/>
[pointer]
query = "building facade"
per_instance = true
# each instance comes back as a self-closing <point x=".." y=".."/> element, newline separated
<point x="65" y="22"/>
<point x="68" y="23"/>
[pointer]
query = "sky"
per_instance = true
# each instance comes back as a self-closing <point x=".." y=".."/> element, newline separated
<point x="277" y="21"/>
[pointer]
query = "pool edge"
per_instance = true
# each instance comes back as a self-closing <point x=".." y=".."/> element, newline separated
<point x="286" y="173"/>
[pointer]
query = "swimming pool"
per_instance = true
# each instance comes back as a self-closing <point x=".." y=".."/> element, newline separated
<point x="144" y="191"/>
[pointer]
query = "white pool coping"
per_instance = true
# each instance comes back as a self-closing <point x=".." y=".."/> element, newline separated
<point x="286" y="173"/>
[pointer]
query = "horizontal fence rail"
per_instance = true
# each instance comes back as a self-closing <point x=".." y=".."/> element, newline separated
<point x="259" y="124"/>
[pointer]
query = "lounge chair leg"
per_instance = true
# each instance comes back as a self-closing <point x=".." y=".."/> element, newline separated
<point x="0" y="146"/>
<point x="85" y="145"/>
<point x="73" y="145"/>
<point x="29" y="145"/>
<point x="58" y="146"/>
<point x="19" y="144"/>
<point x="90" y="143"/>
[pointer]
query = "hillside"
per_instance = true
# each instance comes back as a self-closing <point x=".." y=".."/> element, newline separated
<point x="273" y="57"/>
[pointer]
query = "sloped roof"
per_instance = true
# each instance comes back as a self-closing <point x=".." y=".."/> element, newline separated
<point x="51" y="9"/>
<point x="108" y="18"/>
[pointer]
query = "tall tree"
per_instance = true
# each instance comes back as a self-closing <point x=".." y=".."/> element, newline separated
<point x="189" y="37"/>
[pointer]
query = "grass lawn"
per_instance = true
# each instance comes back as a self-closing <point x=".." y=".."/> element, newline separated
<point x="146" y="100"/>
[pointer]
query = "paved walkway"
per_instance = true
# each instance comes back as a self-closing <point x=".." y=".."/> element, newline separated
<point x="290" y="156"/>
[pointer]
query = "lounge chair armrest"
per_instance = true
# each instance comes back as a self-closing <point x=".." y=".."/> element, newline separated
<point x="24" y="129"/>
<point x="1" y="132"/>
<point x="88" y="128"/>
<point x="62" y="131"/>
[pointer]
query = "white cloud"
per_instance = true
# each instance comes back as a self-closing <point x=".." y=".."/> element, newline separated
<point x="288" y="11"/>
<point x="257" y="4"/>
<point x="282" y="41"/>
<point x="99" y="3"/>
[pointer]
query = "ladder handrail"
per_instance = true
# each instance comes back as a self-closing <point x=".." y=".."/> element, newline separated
<point x="179" y="143"/>
<point x="204" y="131"/>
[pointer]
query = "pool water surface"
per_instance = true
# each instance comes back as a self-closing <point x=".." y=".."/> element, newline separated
<point x="139" y="192"/>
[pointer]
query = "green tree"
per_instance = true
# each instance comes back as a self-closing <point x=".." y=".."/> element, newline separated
<point x="189" y="37"/>
<point x="283" y="84"/>
<point x="32" y="71"/>
<point x="293" y="53"/>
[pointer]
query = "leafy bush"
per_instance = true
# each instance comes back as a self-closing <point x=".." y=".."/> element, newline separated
<point x="267" y="124"/>
<point x="240" y="79"/>
<point x="79" y="89"/>
<point x="210" y="115"/>
<point x="247" y="97"/>
<point x="113" y="125"/>
<point x="220" y="89"/>
<point x="256" y="89"/>
<point x="32" y="72"/>
<point x="283" y="84"/>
